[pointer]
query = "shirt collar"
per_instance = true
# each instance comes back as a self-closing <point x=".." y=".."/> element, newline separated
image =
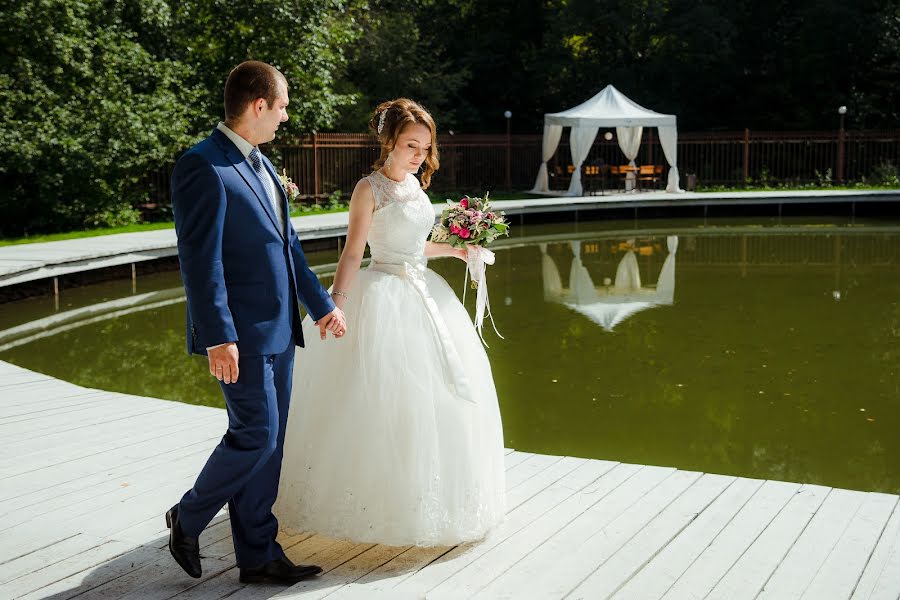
<point x="243" y="145"/>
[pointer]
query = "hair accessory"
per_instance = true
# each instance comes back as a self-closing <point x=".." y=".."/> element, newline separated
<point x="381" y="120"/>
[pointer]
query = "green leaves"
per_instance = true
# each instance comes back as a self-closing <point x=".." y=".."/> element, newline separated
<point x="98" y="93"/>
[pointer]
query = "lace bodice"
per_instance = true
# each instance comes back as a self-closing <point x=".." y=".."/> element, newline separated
<point x="402" y="221"/>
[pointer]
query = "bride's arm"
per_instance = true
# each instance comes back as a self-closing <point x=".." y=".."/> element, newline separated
<point x="362" y="205"/>
<point x="433" y="249"/>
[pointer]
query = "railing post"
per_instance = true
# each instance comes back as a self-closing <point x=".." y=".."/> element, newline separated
<point x="840" y="153"/>
<point x="746" y="155"/>
<point x="315" y="141"/>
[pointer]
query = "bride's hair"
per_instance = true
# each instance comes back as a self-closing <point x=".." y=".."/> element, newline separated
<point x="391" y="117"/>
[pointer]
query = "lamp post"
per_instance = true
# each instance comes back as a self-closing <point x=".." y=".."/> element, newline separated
<point x="508" y="116"/>
<point x="842" y="110"/>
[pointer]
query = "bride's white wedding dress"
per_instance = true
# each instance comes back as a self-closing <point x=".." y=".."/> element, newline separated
<point x="394" y="433"/>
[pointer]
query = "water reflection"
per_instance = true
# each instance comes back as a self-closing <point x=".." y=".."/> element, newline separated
<point x="617" y="299"/>
<point x="753" y="368"/>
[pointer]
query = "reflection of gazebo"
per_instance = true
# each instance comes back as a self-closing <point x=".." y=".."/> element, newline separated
<point x="609" y="305"/>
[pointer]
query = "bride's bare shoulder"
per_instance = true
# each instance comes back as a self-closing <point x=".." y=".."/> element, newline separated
<point x="363" y="193"/>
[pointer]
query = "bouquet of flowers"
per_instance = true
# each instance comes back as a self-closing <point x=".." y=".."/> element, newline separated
<point x="471" y="221"/>
<point x="290" y="188"/>
<point x="472" y="224"/>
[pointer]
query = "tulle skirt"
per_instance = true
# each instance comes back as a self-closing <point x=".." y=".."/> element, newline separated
<point x="379" y="448"/>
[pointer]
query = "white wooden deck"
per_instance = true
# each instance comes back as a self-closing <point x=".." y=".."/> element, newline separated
<point x="86" y="475"/>
<point x="31" y="262"/>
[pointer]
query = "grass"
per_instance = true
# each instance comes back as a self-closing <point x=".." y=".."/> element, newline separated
<point x="71" y="235"/>
<point x="137" y="227"/>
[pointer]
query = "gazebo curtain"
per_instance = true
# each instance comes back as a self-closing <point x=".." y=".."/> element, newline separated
<point x="552" y="133"/>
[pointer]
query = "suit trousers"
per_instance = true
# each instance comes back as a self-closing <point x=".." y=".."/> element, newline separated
<point x="245" y="468"/>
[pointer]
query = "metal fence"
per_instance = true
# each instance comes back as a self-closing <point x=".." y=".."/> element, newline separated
<point x="333" y="162"/>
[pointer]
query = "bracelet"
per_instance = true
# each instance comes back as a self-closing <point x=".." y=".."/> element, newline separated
<point x="340" y="294"/>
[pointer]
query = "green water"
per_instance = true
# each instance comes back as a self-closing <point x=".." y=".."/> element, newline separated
<point x="778" y="358"/>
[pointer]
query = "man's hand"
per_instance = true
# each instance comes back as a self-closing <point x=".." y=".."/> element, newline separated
<point x="223" y="362"/>
<point x="335" y="322"/>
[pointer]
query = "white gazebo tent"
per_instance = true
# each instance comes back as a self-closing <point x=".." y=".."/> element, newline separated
<point x="609" y="108"/>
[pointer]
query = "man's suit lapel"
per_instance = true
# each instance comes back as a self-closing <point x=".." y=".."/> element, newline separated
<point x="242" y="166"/>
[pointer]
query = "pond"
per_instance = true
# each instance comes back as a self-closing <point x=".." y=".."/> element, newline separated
<point x="760" y="349"/>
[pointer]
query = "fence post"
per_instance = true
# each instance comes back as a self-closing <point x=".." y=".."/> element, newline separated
<point x="746" y="155"/>
<point x="840" y="157"/>
<point x="315" y="142"/>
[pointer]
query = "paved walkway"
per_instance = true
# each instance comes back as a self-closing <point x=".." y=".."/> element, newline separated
<point x="30" y="262"/>
<point x="86" y="475"/>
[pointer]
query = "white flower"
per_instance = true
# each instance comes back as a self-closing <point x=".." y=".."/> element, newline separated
<point x="439" y="233"/>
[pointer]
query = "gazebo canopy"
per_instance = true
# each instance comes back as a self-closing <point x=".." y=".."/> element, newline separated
<point x="609" y="108"/>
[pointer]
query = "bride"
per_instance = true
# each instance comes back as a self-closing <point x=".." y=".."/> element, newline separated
<point x="394" y="433"/>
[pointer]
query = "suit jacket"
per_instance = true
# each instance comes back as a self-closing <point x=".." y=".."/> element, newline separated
<point x="242" y="276"/>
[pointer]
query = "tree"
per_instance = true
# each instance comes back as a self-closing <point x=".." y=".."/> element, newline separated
<point x="85" y="111"/>
<point x="400" y="54"/>
<point x="306" y="39"/>
<point x="96" y="93"/>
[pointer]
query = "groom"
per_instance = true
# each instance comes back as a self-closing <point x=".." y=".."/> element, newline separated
<point x="244" y="274"/>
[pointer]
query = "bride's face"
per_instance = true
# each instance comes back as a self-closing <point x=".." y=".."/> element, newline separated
<point x="412" y="147"/>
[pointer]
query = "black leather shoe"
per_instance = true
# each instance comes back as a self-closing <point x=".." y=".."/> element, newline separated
<point x="279" y="571"/>
<point x="185" y="550"/>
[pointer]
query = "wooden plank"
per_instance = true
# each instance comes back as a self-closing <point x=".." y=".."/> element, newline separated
<point x="559" y="529"/>
<point x="665" y="568"/>
<point x="133" y="434"/>
<point x="64" y="473"/>
<point x="65" y="574"/>
<point x="154" y="579"/>
<point x="513" y="458"/>
<point x="47" y="556"/>
<point x="171" y="448"/>
<point x="842" y="569"/>
<point x="586" y="476"/>
<point x="881" y="578"/>
<point x="529" y="468"/>
<point x="128" y="425"/>
<point x="749" y="574"/>
<point x="345" y="574"/>
<point x="69" y="397"/>
<point x="798" y="568"/>
<point x="86" y="500"/>
<point x="702" y="576"/>
<point x="571" y="555"/>
<point x="534" y="485"/>
<point x="640" y="550"/>
<point x="383" y="579"/>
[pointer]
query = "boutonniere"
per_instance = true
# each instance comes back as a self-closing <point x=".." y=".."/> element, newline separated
<point x="290" y="188"/>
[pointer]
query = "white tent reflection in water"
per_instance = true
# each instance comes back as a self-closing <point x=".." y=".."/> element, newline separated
<point x="609" y="305"/>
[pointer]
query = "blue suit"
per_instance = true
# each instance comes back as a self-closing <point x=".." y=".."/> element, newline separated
<point x="244" y="279"/>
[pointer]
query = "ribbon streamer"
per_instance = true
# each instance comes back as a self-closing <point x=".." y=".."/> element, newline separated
<point x="451" y="364"/>
<point x="477" y="260"/>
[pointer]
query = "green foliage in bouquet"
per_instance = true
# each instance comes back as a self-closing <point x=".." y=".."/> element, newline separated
<point x="470" y="221"/>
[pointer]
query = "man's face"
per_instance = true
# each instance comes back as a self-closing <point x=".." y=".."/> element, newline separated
<point x="272" y="116"/>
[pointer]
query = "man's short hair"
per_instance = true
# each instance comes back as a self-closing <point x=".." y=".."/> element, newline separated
<point x="248" y="81"/>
